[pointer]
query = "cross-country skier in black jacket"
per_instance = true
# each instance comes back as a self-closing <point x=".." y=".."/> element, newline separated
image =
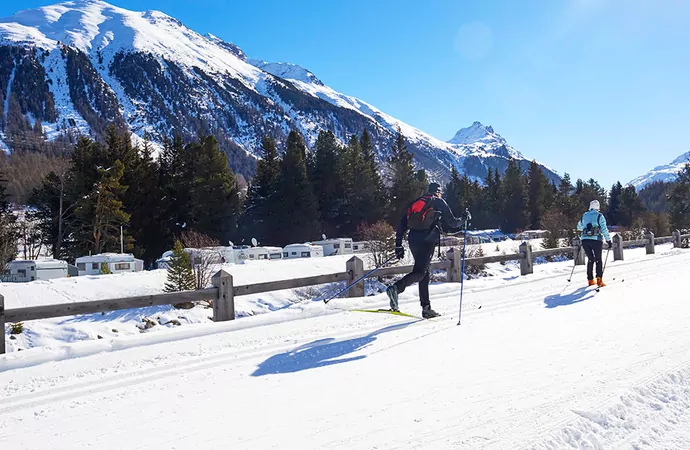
<point x="426" y="218"/>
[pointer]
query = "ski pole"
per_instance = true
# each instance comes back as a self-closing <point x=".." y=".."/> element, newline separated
<point x="574" y="263"/>
<point x="605" y="261"/>
<point x="468" y="216"/>
<point x="358" y="280"/>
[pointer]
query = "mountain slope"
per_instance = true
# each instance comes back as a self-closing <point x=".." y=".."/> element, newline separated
<point x="666" y="173"/>
<point x="95" y="64"/>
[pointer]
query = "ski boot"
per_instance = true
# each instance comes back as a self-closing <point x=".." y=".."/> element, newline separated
<point x="429" y="313"/>
<point x="392" y="292"/>
<point x="600" y="282"/>
<point x="591" y="282"/>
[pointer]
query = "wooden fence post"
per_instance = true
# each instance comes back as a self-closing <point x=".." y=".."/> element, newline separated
<point x="355" y="267"/>
<point x="454" y="272"/>
<point x="2" y="324"/>
<point x="224" y="304"/>
<point x="617" y="248"/>
<point x="526" y="263"/>
<point x="677" y="240"/>
<point x="650" y="244"/>
<point x="579" y="253"/>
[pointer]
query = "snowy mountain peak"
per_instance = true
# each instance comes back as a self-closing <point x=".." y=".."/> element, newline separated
<point x="477" y="132"/>
<point x="229" y="46"/>
<point x="287" y="71"/>
<point x="94" y="26"/>
<point x="666" y="173"/>
<point x="482" y="139"/>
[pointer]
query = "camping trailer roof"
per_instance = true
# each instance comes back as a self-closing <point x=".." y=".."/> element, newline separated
<point x="107" y="257"/>
<point x="40" y="263"/>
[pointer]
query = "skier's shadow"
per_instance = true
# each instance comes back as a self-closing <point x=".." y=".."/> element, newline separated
<point x="320" y="353"/>
<point x="577" y="296"/>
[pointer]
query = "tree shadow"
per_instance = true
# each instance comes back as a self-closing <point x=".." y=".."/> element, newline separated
<point x="578" y="296"/>
<point x="320" y="353"/>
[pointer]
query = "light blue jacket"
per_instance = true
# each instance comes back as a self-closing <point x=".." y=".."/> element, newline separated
<point x="597" y="219"/>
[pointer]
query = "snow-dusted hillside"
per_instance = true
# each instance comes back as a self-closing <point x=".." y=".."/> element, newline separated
<point x="146" y="70"/>
<point x="666" y="173"/>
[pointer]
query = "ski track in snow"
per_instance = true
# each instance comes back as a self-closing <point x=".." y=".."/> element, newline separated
<point x="542" y="365"/>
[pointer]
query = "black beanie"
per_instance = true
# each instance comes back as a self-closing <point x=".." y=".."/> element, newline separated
<point x="434" y="188"/>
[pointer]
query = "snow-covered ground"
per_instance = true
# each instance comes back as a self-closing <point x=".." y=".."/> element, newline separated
<point x="543" y="364"/>
<point x="51" y="332"/>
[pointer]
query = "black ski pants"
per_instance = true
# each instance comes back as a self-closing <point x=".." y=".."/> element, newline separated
<point x="422" y="252"/>
<point x="593" y="251"/>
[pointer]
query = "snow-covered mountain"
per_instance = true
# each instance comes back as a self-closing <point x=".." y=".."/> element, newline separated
<point x="80" y="65"/>
<point x="666" y="173"/>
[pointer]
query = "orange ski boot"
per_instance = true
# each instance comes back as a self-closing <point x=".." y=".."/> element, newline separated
<point x="592" y="282"/>
<point x="600" y="282"/>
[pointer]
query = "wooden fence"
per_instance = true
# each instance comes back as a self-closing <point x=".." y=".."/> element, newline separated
<point x="223" y="292"/>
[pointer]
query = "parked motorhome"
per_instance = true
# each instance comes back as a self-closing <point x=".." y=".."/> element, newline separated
<point x="246" y="253"/>
<point x="116" y="262"/>
<point x="24" y="271"/>
<point x="336" y="246"/>
<point x="302" y="251"/>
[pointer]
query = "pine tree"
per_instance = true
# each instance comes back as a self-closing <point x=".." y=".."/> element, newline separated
<point x="515" y="213"/>
<point x="331" y="176"/>
<point x="261" y="218"/>
<point x="144" y="201"/>
<point x="451" y="193"/>
<point x="180" y="275"/>
<point x="8" y="234"/>
<point x="373" y="201"/>
<point x="679" y="200"/>
<point x="300" y="221"/>
<point x="405" y="185"/>
<point x="215" y="202"/>
<point x="591" y="190"/>
<point x="614" y="209"/>
<point x="538" y="186"/>
<point x="100" y="213"/>
<point x="494" y="199"/>
<point x="630" y="207"/>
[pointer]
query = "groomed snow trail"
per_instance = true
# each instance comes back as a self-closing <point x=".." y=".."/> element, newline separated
<point x="541" y="365"/>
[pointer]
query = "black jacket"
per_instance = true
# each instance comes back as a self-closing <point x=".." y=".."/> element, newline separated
<point x="446" y="223"/>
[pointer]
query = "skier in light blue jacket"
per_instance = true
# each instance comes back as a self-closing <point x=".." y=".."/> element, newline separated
<point x="593" y="231"/>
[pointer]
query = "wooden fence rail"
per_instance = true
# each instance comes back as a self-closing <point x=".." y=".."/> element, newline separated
<point x="223" y="292"/>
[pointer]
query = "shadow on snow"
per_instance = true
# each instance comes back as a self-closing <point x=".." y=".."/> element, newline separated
<point x="320" y="353"/>
<point x="577" y="296"/>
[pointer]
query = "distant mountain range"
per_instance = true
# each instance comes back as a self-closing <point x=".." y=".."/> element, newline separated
<point x="667" y="173"/>
<point x="79" y="65"/>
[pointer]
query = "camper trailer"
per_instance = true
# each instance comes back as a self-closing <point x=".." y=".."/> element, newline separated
<point x="246" y="253"/>
<point x="22" y="271"/>
<point x="116" y="262"/>
<point x="302" y="251"/>
<point x="337" y="246"/>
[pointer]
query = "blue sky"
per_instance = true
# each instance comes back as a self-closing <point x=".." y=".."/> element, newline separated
<point x="595" y="88"/>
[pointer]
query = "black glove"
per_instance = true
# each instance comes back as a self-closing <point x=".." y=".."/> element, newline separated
<point x="400" y="252"/>
<point x="610" y="244"/>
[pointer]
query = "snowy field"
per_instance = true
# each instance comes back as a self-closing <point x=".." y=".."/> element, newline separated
<point x="543" y="364"/>
<point x="51" y="332"/>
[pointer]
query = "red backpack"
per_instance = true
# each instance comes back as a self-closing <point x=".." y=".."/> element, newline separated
<point x="420" y="215"/>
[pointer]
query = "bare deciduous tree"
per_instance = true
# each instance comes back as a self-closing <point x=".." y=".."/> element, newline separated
<point x="204" y="256"/>
<point x="30" y="238"/>
<point x="8" y="243"/>
<point x="380" y="240"/>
